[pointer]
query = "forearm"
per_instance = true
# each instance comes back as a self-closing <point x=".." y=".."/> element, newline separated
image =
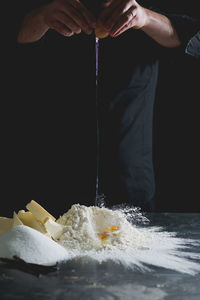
<point x="160" y="29"/>
<point x="33" y="27"/>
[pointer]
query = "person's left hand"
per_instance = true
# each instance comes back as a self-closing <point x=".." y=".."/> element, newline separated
<point x="120" y="15"/>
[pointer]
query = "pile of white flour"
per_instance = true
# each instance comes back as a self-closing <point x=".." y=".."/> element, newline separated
<point x="102" y="234"/>
<point x="83" y="225"/>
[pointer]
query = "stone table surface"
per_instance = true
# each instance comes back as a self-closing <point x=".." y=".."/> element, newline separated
<point x="108" y="281"/>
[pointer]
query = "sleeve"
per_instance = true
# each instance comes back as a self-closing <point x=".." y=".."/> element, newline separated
<point x="185" y="26"/>
<point x="193" y="47"/>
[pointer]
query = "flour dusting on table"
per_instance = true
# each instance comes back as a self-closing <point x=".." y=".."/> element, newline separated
<point x="103" y="234"/>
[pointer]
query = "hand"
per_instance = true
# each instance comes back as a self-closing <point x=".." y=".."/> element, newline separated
<point x="68" y="17"/>
<point x="121" y="15"/>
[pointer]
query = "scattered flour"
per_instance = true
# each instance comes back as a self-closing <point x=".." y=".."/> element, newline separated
<point x="103" y="235"/>
<point x="86" y="234"/>
<point x="31" y="246"/>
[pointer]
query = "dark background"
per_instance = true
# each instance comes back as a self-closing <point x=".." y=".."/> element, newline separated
<point x="176" y="134"/>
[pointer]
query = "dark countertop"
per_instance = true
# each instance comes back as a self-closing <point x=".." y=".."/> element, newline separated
<point x="109" y="281"/>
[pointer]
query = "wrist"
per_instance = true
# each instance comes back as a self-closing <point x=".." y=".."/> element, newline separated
<point x="146" y="13"/>
<point x="142" y="18"/>
<point x="33" y="27"/>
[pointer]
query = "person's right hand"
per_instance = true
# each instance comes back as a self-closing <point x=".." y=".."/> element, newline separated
<point x="68" y="17"/>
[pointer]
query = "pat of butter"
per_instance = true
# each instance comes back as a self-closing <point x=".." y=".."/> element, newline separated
<point x="38" y="211"/>
<point x="5" y="224"/>
<point x="29" y="219"/>
<point x="54" y="229"/>
<point x="16" y="220"/>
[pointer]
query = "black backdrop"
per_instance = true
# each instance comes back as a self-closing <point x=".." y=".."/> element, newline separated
<point x="176" y="134"/>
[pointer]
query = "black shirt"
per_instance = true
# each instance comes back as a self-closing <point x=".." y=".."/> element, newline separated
<point x="193" y="46"/>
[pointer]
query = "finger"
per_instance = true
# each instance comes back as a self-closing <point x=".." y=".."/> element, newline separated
<point x="79" y="19"/>
<point x="68" y="22"/>
<point x="125" y="19"/>
<point x="84" y="11"/>
<point x="120" y="10"/>
<point x="76" y="15"/>
<point x="61" y="28"/>
<point x="108" y="11"/>
<point x="124" y="28"/>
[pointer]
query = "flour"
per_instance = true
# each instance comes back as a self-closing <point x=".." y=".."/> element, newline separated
<point x="87" y="234"/>
<point x="89" y="228"/>
<point x="104" y="235"/>
<point x="31" y="246"/>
